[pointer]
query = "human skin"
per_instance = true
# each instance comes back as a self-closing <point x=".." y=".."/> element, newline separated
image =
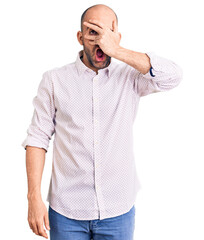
<point x="100" y="30"/>
<point x="37" y="211"/>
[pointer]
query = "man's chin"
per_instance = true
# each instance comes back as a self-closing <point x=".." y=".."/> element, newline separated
<point x="100" y="66"/>
<point x="101" y="63"/>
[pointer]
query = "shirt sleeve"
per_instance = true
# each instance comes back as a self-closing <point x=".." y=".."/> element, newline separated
<point x="164" y="75"/>
<point x="42" y="125"/>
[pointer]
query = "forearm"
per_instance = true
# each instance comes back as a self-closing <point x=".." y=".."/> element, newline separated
<point x="35" y="160"/>
<point x="137" y="60"/>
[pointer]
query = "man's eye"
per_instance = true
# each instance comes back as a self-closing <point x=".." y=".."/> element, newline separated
<point x="93" y="32"/>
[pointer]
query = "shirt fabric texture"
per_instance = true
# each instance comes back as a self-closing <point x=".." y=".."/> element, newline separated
<point x="91" y="117"/>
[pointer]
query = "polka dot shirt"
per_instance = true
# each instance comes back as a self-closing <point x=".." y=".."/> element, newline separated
<point x="91" y="117"/>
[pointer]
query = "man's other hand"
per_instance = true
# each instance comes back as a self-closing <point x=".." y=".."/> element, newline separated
<point x="37" y="216"/>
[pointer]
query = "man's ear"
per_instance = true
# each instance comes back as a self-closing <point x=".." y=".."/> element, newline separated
<point x="80" y="37"/>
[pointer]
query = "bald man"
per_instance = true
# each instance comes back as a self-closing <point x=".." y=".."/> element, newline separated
<point x="90" y="106"/>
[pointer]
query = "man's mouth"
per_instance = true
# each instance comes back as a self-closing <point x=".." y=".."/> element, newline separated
<point x="100" y="55"/>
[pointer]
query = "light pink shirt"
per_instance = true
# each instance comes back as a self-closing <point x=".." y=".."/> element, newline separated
<point x="91" y="116"/>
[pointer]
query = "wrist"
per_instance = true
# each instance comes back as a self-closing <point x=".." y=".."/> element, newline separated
<point x="117" y="52"/>
<point x="34" y="195"/>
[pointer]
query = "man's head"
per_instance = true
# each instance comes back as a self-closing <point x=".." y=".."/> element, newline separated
<point x="106" y="16"/>
<point x="99" y="6"/>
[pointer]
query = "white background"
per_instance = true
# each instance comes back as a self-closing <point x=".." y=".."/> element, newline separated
<point x="40" y="35"/>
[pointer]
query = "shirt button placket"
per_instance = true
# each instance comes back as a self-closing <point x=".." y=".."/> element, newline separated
<point x="97" y="159"/>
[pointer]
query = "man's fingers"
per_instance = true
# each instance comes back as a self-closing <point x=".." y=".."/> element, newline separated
<point x="41" y="230"/>
<point x="34" y="228"/>
<point x="90" y="37"/>
<point x="31" y="227"/>
<point x="96" y="22"/>
<point x="93" y="43"/>
<point x="93" y="40"/>
<point x="46" y="221"/>
<point x="94" y="27"/>
<point x="115" y="29"/>
<point x="38" y="217"/>
<point x="99" y="24"/>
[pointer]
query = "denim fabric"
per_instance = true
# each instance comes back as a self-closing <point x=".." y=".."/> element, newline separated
<point x="115" y="228"/>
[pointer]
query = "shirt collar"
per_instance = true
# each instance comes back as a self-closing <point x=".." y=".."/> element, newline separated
<point x="81" y="67"/>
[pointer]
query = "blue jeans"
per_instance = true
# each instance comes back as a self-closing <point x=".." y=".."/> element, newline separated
<point x="115" y="228"/>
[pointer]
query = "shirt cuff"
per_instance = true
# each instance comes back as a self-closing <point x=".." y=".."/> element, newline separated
<point x="155" y="66"/>
<point x="30" y="141"/>
<point x="151" y="73"/>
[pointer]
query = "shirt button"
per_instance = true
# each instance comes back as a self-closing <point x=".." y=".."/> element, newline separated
<point x="96" y="187"/>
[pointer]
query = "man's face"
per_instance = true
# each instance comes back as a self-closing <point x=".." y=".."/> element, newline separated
<point x="105" y="16"/>
<point x="90" y="52"/>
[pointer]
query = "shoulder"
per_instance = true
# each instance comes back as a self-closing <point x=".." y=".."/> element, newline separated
<point x="60" y="74"/>
<point x="61" y="70"/>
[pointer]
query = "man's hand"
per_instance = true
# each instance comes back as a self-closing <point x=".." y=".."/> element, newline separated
<point x="107" y="39"/>
<point x="37" y="216"/>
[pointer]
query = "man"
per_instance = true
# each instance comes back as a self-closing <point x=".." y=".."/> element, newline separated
<point x="91" y="105"/>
